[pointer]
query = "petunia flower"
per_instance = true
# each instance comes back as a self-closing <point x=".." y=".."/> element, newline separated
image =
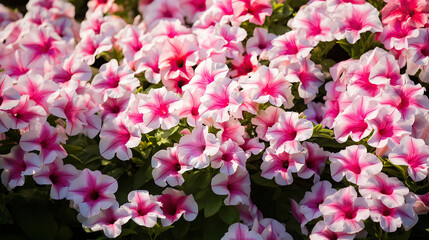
<point x="26" y="112"/>
<point x="231" y="129"/>
<point x="9" y="96"/>
<point x="291" y="45"/>
<point x="92" y="192"/>
<point x="176" y="203"/>
<point x="113" y="107"/>
<point x="229" y="158"/>
<point x="260" y="43"/>
<point x="145" y="208"/>
<point x="16" y="165"/>
<point x="70" y="72"/>
<point x="315" y="159"/>
<point x="321" y="232"/>
<point x="344" y="211"/>
<point x="271" y="229"/>
<point x="253" y="10"/>
<point x="266" y="119"/>
<point x="233" y="35"/>
<point x="309" y="205"/>
<point x="168" y="167"/>
<point x="206" y="72"/>
<point x="299" y="216"/>
<point x="161" y="10"/>
<point x="252" y="146"/>
<point x="90" y="46"/>
<point x="236" y="186"/>
<point x="284" y="136"/>
<point x="58" y="175"/>
<point x="407" y="12"/>
<point x="148" y="64"/>
<point x="239" y="231"/>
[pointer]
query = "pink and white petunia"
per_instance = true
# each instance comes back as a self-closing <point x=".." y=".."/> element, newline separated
<point x="270" y="229"/>
<point x="196" y="148"/>
<point x="289" y="46"/>
<point x="168" y="167"/>
<point x="253" y="10"/>
<point x="309" y="205"/>
<point x="391" y="219"/>
<point x="117" y="136"/>
<point x="321" y="232"/>
<point x="148" y="64"/>
<point x="9" y="96"/>
<point x="355" y="163"/>
<point x="176" y="203"/>
<point x="206" y="72"/>
<point x="159" y="108"/>
<point x="315" y="159"/>
<point x="109" y="220"/>
<point x="58" y="175"/>
<point x="315" y="112"/>
<point x="92" y="192"/>
<point x="45" y="139"/>
<point x="252" y="146"/>
<point x="280" y="166"/>
<point x="284" y="136"/>
<point x="91" y="46"/>
<point x="298" y="215"/>
<point x="145" y="208"/>
<point x="161" y="10"/>
<point x="268" y="84"/>
<point x="350" y="20"/>
<point x="260" y="43"/>
<point x="221" y="98"/>
<point x="16" y="165"/>
<point x="113" y="107"/>
<point x="233" y="36"/>
<point x="229" y="158"/>
<point x="266" y="119"/>
<point x="344" y="211"/>
<point x="414" y="154"/>
<point x="239" y="231"/>
<point x="389" y="190"/>
<point x="70" y="72"/>
<point x="236" y="186"/>
<point x="231" y="129"/>
<point x="189" y="109"/>
<point x="26" y="112"/>
<point x="412" y="13"/>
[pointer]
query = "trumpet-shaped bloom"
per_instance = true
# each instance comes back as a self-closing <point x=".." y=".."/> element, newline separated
<point x="189" y="109"/>
<point x="315" y="159"/>
<point x="90" y="46"/>
<point x="270" y="229"/>
<point x="236" y="186"/>
<point x="239" y="231"/>
<point x="231" y="129"/>
<point x="58" y="175"/>
<point x="109" y="220"/>
<point x="253" y="10"/>
<point x="289" y="46"/>
<point x="168" y="167"/>
<point x="118" y="137"/>
<point x="284" y="136"/>
<point x="281" y="166"/>
<point x="344" y="211"/>
<point x="176" y="203"/>
<point x="36" y="88"/>
<point x="113" y="107"/>
<point x="145" y="208"/>
<point x="206" y="72"/>
<point x="233" y="37"/>
<point x="407" y="12"/>
<point x="229" y="158"/>
<point x="252" y="146"/>
<point x="159" y="108"/>
<point x="309" y="205"/>
<point x="413" y="153"/>
<point x="196" y="148"/>
<point x="92" y="191"/>
<point x="266" y="119"/>
<point x="16" y="165"/>
<point x="321" y="232"/>
<point x="45" y="139"/>
<point x="26" y="112"/>
<point x="260" y="43"/>
<point x="355" y="163"/>
<point x="389" y="190"/>
<point x="221" y="98"/>
<point x="391" y="219"/>
<point x="72" y="71"/>
<point x="9" y="97"/>
<point x="268" y="84"/>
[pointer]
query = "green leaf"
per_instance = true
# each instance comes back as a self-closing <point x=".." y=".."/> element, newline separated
<point x="263" y="181"/>
<point x="142" y="176"/>
<point x="212" y="203"/>
<point x="229" y="214"/>
<point x="72" y="148"/>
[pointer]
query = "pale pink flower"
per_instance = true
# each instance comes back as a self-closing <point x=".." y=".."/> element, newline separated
<point x="353" y="121"/>
<point x="16" y="165"/>
<point x="414" y="154"/>
<point x="105" y="5"/>
<point x="418" y="47"/>
<point x="109" y="220"/>
<point x="112" y="107"/>
<point x="420" y="202"/>
<point x="408" y="12"/>
<point x="221" y="98"/>
<point x="159" y="108"/>
<point x="390" y="190"/>
<point x="309" y="205"/>
<point x="58" y="175"/>
<point x="117" y="136"/>
<point x="396" y="36"/>
<point x="9" y="96"/>
<point x="145" y="208"/>
<point x="246" y="106"/>
<point x="252" y="146"/>
<point x="315" y="159"/>
<point x="239" y="231"/>
<point x="286" y="134"/>
<point x="192" y="9"/>
<point x="231" y="129"/>
<point x="206" y="72"/>
<point x="148" y="64"/>
<point x="159" y="10"/>
<point x="280" y="166"/>
<point x="260" y="43"/>
<point x="18" y="65"/>
<point x="315" y="112"/>
<point x="253" y="10"/>
<point x="268" y="84"/>
<point x="102" y="26"/>
<point x="91" y="46"/>
<point x="289" y="46"/>
<point x="271" y="229"/>
<point x="321" y="232"/>
<point x="72" y="71"/>
<point x="45" y="139"/>
<point x="229" y="158"/>
<point x="391" y="219"/>
<point x="350" y="20"/>
<point x="266" y="119"/>
<point x="233" y="36"/>
<point x="176" y="203"/>
<point x="344" y="211"/>
<point x="133" y="42"/>
<point x="26" y="112"/>
<point x="189" y="109"/>
<point x="248" y="213"/>
<point x="168" y="167"/>
<point x="355" y="163"/>
<point x="296" y="213"/>
<point x="196" y="148"/>
<point x="169" y="28"/>
<point x="236" y="186"/>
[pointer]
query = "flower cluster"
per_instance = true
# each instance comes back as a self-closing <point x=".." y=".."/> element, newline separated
<point x="234" y="95"/>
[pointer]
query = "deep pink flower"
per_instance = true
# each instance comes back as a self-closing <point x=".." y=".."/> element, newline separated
<point x="233" y="36"/>
<point x="133" y="42"/>
<point x="109" y="220"/>
<point x="176" y="203"/>
<point x="408" y="12"/>
<point x="315" y="159"/>
<point x="236" y="186"/>
<point x="244" y="66"/>
<point x="284" y="136"/>
<point x="196" y="148"/>
<point x="16" y="165"/>
<point x="229" y="158"/>
<point x="418" y="47"/>
<point x="45" y="139"/>
<point x="280" y="166"/>
<point x="168" y="167"/>
<point x="413" y="153"/>
<point x="239" y="231"/>
<point x="253" y="10"/>
<point x="392" y="218"/>
<point x="389" y="190"/>
<point x="117" y="136"/>
<point x="58" y="175"/>
<point x="252" y="146"/>
<point x="309" y="205"/>
<point x="145" y="208"/>
<point x="92" y="191"/>
<point x="266" y="119"/>
<point x="396" y="36"/>
<point x="344" y="211"/>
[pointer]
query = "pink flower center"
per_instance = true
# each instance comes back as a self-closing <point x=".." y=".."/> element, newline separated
<point x="194" y="111"/>
<point x="142" y="211"/>
<point x="1" y="100"/>
<point x="387" y="211"/>
<point x="354" y="24"/>
<point x="286" y="165"/>
<point x="177" y="167"/>
<point x="349" y="212"/>
<point x="54" y="178"/>
<point x="94" y="195"/>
